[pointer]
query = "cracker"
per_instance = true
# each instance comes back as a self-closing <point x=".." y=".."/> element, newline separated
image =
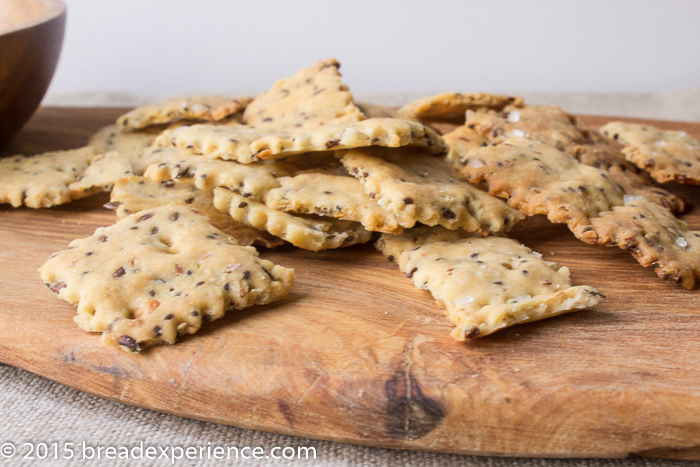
<point x="484" y="283"/>
<point x="539" y="179"/>
<point x="247" y="144"/>
<point x="197" y="108"/>
<point x="160" y="274"/>
<point x="338" y="196"/>
<point x="130" y="144"/>
<point x="416" y="187"/>
<point x="134" y="194"/>
<point x="308" y="232"/>
<point x="654" y="237"/>
<point x="669" y="156"/>
<point x="313" y="97"/>
<point x="42" y="181"/>
<point x="454" y="105"/>
<point x="463" y="141"/>
<point x="254" y="179"/>
<point x="556" y="128"/>
<point x="104" y="170"/>
<point x="381" y="111"/>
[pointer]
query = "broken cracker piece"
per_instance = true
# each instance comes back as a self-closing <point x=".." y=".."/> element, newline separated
<point x="198" y="108"/>
<point x="484" y="283"/>
<point x="134" y="194"/>
<point x="42" y="181"/>
<point x="669" y="156"/>
<point x="104" y="170"/>
<point x="160" y="274"/>
<point x="416" y="187"/>
<point x="304" y="231"/>
<point x="654" y="237"/>
<point x="454" y="105"/>
<point x="313" y="97"/>
<point x="254" y="179"/>
<point x="338" y="196"/>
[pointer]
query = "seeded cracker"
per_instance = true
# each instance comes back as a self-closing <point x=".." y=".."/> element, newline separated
<point x="160" y="274"/>
<point x="539" y="179"/>
<point x="313" y="97"/>
<point x="199" y="108"/>
<point x="130" y="144"/>
<point x="415" y="187"/>
<point x="253" y="179"/>
<point x="134" y="194"/>
<point x="246" y="144"/>
<point x="42" y="181"/>
<point x="485" y="283"/>
<point x="463" y="141"/>
<point x="104" y="170"/>
<point x="307" y="232"/>
<point x="380" y="111"/>
<point x="654" y="237"/>
<point x="454" y="105"/>
<point x="556" y="128"/>
<point x="338" y="196"/>
<point x="669" y="156"/>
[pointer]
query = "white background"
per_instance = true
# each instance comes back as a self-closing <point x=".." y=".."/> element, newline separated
<point x="161" y="48"/>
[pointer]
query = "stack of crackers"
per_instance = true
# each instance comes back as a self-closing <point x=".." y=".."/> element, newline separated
<point x="199" y="182"/>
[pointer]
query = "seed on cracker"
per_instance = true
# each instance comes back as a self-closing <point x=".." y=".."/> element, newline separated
<point x="253" y="179"/>
<point x="484" y="283"/>
<point x="247" y="144"/>
<point x="669" y="156"/>
<point x="160" y="274"/>
<point x="554" y="127"/>
<point x="134" y="194"/>
<point x="197" y="108"/>
<point x="104" y="170"/>
<point x="654" y="237"/>
<point x="453" y="105"/>
<point x="42" y="181"/>
<point x="539" y="179"/>
<point x="416" y="187"/>
<point x="304" y="231"/>
<point x="338" y="196"/>
<point x="313" y="97"/>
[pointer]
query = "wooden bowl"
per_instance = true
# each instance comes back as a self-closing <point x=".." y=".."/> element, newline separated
<point x="31" y="35"/>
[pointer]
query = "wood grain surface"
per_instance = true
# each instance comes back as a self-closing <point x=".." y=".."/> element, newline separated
<point x="356" y="354"/>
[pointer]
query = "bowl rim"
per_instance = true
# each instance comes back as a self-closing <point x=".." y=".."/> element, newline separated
<point x="56" y="9"/>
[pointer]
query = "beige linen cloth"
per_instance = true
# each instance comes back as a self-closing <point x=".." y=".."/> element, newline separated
<point x="34" y="409"/>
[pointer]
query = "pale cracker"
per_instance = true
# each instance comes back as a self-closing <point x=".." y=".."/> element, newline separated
<point x="484" y="283"/>
<point x="198" y="108"/>
<point x="159" y="274"/>
<point x="304" y="231"/>
<point x="103" y="172"/>
<point x="247" y="144"/>
<point x="381" y="111"/>
<point x="254" y="179"/>
<point x="454" y="105"/>
<point x="654" y="237"/>
<point x="554" y="127"/>
<point x="313" y="97"/>
<point x="134" y="194"/>
<point x="130" y="144"/>
<point x="42" y="181"/>
<point x="538" y="179"/>
<point x="416" y="187"/>
<point x="338" y="196"/>
<point x="669" y="156"/>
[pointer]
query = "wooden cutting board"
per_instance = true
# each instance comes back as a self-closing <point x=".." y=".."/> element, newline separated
<point x="356" y="354"/>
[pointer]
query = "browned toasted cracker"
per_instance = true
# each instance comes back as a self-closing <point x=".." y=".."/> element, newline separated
<point x="669" y="156"/>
